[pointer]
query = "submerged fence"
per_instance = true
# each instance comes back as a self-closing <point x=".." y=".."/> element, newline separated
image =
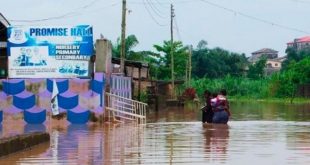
<point x="124" y="109"/>
<point x="121" y="86"/>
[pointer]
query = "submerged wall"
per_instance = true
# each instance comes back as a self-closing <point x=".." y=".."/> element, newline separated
<point x="21" y="142"/>
<point x="34" y="95"/>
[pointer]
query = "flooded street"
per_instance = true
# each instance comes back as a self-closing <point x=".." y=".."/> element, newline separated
<point x="265" y="134"/>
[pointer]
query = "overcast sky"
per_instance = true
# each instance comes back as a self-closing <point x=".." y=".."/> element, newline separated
<point x="241" y="26"/>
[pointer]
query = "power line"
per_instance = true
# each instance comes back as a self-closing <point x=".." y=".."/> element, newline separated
<point x="150" y="14"/>
<point x="301" y="1"/>
<point x="66" y="15"/>
<point x="164" y="3"/>
<point x="161" y="4"/>
<point x="69" y="14"/>
<point x="177" y="28"/>
<point x="151" y="4"/>
<point x="90" y="4"/>
<point x="253" y="17"/>
<point x="155" y="9"/>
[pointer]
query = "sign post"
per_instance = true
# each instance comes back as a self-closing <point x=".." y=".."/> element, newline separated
<point x="54" y="99"/>
<point x="49" y="52"/>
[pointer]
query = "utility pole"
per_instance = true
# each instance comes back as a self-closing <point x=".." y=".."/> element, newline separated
<point x="122" y="60"/>
<point x="186" y="72"/>
<point x="190" y="64"/>
<point x="172" y="50"/>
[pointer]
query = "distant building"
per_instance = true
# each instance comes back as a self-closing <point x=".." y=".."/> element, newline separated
<point x="265" y="52"/>
<point x="273" y="63"/>
<point x="300" y="43"/>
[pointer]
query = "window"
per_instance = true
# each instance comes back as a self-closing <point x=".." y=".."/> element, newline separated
<point x="269" y="65"/>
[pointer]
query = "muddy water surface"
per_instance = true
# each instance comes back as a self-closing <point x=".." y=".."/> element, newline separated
<point x="257" y="134"/>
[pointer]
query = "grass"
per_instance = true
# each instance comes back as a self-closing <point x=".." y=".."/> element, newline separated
<point x="271" y="100"/>
<point x="247" y="90"/>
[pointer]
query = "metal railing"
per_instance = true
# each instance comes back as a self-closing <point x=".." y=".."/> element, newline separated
<point x="124" y="109"/>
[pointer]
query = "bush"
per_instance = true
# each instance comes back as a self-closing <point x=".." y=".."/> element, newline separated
<point x="189" y="93"/>
<point x="235" y="86"/>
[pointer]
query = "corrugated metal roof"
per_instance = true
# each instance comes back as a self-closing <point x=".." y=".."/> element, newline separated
<point x="300" y="40"/>
<point x="304" y="39"/>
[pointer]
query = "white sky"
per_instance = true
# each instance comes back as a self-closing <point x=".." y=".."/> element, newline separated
<point x="196" y="20"/>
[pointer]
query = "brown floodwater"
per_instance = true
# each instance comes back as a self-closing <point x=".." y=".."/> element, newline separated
<point x="257" y="134"/>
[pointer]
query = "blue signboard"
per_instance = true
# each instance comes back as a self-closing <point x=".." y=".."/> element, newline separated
<point x="49" y="52"/>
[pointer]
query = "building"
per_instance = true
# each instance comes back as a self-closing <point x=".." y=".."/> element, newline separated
<point x="135" y="69"/>
<point x="139" y="71"/>
<point x="273" y="63"/>
<point x="300" y="43"/>
<point x="265" y="52"/>
<point x="4" y="24"/>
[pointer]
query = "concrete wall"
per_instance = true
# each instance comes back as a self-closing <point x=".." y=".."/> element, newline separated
<point x="21" y="142"/>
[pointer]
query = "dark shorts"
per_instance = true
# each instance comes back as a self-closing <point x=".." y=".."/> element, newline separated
<point x="220" y="117"/>
<point x="207" y="115"/>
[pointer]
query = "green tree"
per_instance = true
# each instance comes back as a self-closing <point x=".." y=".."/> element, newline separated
<point x="294" y="56"/>
<point x="180" y="58"/>
<point x="301" y="70"/>
<point x="143" y="56"/>
<point x="131" y="41"/>
<point x="285" y="84"/>
<point x="202" y="45"/>
<point x="256" y="70"/>
<point x="217" y="62"/>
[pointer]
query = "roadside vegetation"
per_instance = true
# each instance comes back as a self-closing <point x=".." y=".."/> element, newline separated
<point x="217" y="68"/>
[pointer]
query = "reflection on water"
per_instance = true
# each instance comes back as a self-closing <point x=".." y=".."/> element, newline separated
<point x="176" y="136"/>
<point x="270" y="111"/>
<point x="240" y="142"/>
<point x="28" y="128"/>
<point x="216" y="141"/>
<point x="0" y="130"/>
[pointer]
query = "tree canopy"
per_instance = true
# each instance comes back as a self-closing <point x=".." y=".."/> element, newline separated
<point x="257" y="70"/>
<point x="227" y="69"/>
<point x="217" y="62"/>
<point x="180" y="59"/>
<point x="294" y="56"/>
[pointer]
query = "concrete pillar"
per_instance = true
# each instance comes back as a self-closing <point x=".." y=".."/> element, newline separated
<point x="103" y="61"/>
<point x="103" y="56"/>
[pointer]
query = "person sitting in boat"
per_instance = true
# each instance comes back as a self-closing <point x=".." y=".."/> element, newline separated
<point x="207" y="113"/>
<point x="220" y="108"/>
